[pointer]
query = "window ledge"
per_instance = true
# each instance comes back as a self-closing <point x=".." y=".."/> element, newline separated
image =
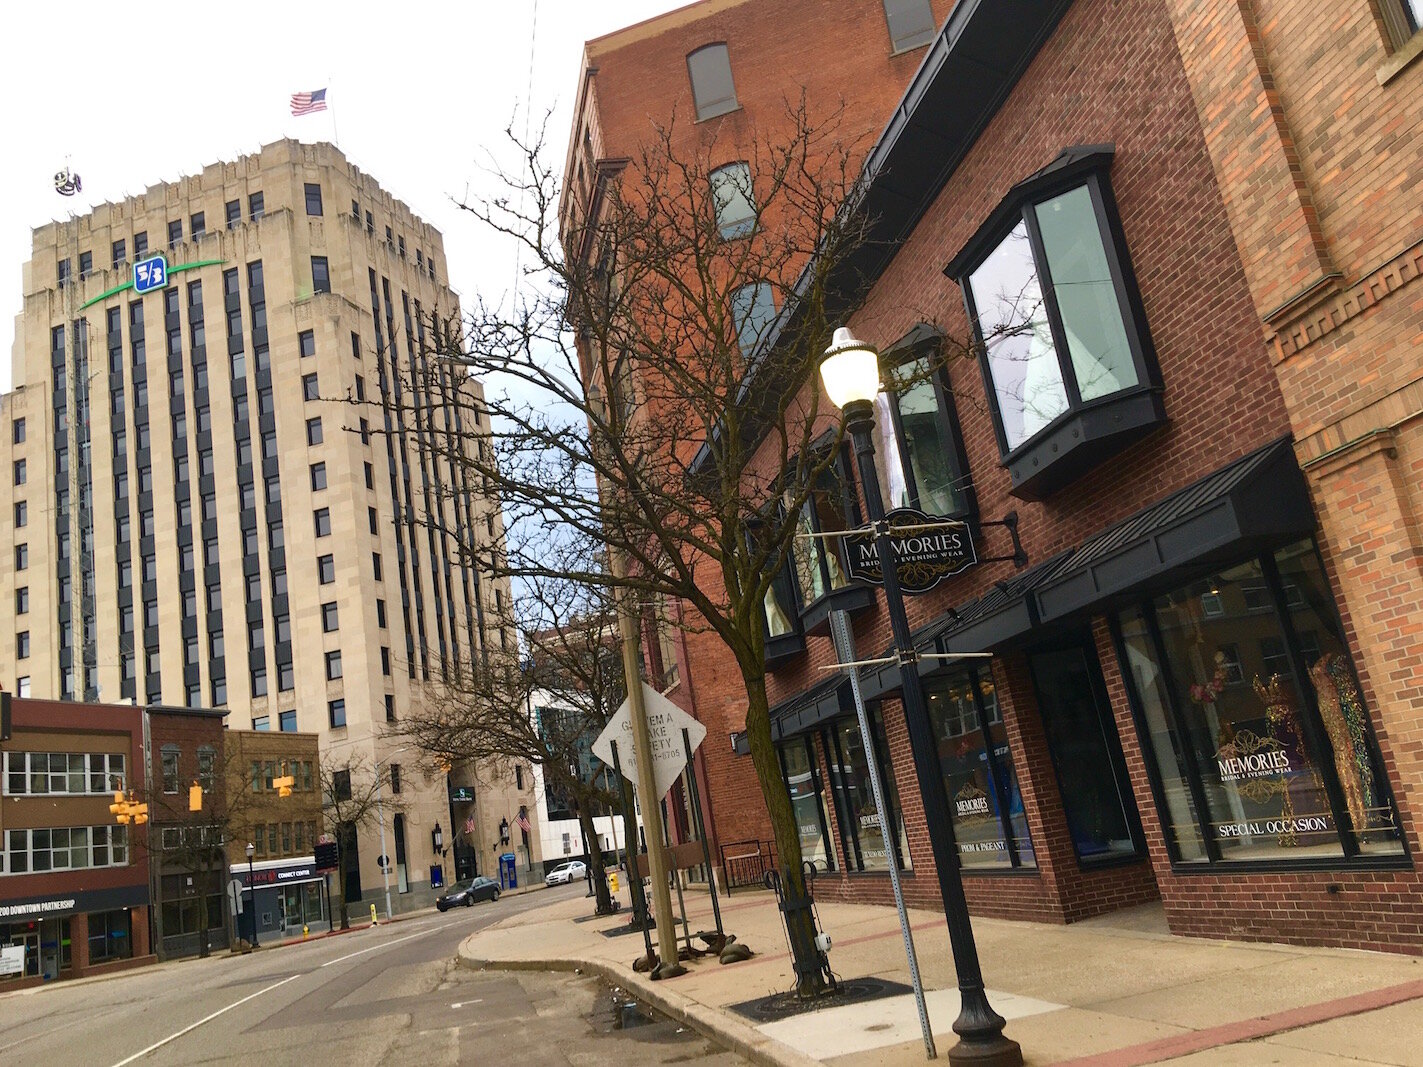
<point x="782" y="648"/>
<point x="853" y="598"/>
<point x="719" y="114"/>
<point x="1401" y="60"/>
<point x="1081" y="439"/>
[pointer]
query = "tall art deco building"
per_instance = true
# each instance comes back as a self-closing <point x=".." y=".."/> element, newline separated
<point x="212" y="497"/>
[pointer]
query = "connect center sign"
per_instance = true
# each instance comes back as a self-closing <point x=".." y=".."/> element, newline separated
<point x="927" y="548"/>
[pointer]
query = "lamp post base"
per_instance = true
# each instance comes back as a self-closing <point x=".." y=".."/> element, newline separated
<point x="997" y="1051"/>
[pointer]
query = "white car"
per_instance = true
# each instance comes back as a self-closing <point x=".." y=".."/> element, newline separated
<point x="566" y="872"/>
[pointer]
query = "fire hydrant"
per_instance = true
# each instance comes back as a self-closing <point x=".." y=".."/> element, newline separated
<point x="613" y="881"/>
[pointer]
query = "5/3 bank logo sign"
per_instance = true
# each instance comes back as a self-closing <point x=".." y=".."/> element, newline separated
<point x="151" y="274"/>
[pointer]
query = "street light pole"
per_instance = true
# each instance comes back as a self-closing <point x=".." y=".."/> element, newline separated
<point x="252" y="890"/>
<point x="851" y="374"/>
<point x="384" y="856"/>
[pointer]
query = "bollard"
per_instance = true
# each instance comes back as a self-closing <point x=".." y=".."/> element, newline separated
<point x="305" y="931"/>
<point x="374" y="920"/>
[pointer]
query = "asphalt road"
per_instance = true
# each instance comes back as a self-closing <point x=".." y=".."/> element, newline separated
<point x="391" y="994"/>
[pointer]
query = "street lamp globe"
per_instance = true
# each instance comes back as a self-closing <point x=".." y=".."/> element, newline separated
<point x="251" y="851"/>
<point x="850" y="370"/>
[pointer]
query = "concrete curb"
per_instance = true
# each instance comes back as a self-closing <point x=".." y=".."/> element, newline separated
<point x="712" y="1023"/>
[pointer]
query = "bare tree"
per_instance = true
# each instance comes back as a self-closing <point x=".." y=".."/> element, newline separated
<point x="545" y="707"/>
<point x="353" y="795"/>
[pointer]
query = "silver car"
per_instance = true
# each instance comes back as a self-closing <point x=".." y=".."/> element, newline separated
<point x="566" y="872"/>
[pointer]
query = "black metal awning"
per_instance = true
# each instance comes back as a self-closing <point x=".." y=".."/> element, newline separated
<point x="826" y="700"/>
<point x="1258" y="501"/>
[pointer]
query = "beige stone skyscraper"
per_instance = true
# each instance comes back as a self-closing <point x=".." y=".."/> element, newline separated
<point x="225" y="523"/>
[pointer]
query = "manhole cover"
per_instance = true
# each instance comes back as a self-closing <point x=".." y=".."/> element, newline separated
<point x="851" y="991"/>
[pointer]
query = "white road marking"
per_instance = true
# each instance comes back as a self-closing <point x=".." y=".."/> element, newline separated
<point x="464" y="1003"/>
<point x="384" y="944"/>
<point x="206" y="1019"/>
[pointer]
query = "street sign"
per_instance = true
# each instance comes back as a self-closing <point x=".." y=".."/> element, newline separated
<point x="926" y="555"/>
<point x="665" y="723"/>
<point x="382" y="861"/>
<point x="234" y="896"/>
<point x="328" y="856"/>
<point x="150" y="274"/>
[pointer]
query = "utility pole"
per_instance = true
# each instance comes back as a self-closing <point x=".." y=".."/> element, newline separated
<point x="647" y="798"/>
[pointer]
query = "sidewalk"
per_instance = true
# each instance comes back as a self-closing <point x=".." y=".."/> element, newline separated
<point x="1111" y="992"/>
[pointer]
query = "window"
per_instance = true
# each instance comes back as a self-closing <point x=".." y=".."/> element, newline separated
<point x="385" y="661"/>
<point x="22" y="645"/>
<point x="808" y="802"/>
<point x="320" y="275"/>
<point x="400" y="246"/>
<point x="862" y="839"/>
<point x="306" y="342"/>
<point x="318" y="477"/>
<point x="376" y="567"/>
<point x="336" y="716"/>
<point x="17" y="431"/>
<point x="373" y="521"/>
<point x="370" y="476"/>
<point x="175" y="233"/>
<point x="1064" y="351"/>
<point x="333" y="665"/>
<point x="62" y="277"/>
<point x="365" y="431"/>
<point x="733" y="198"/>
<point x="360" y="388"/>
<point x="22" y="557"/>
<point x="86" y="264"/>
<point x="753" y="308"/>
<point x="831" y="506"/>
<point x="370" y="223"/>
<point x="313" y="199"/>
<point x="233" y="212"/>
<point x="255" y="207"/>
<point x="259" y="689"/>
<point x="20" y="472"/>
<point x="170" y="768"/>
<point x="326" y="569"/>
<point x="286" y="721"/>
<point x="911" y="23"/>
<point x="329" y="621"/>
<point x="380" y="614"/>
<point x="309" y="388"/>
<point x="120" y="253"/>
<point x="390" y="237"/>
<point x="713" y="89"/>
<point x="1402" y="18"/>
<point x="197" y="225"/>
<point x="322" y="519"/>
<point x="919" y="452"/>
<point x="22" y="600"/>
<point x="390" y="707"/>
<point x="140" y="244"/>
<point x="395" y="778"/>
<point x="1283" y="769"/>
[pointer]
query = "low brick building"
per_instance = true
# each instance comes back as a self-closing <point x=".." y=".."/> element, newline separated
<point x="74" y="898"/>
<point x="1204" y="682"/>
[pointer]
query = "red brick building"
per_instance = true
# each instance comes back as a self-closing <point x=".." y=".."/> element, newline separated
<point x="1191" y="278"/>
<point x="727" y="69"/>
<point x="74" y="897"/>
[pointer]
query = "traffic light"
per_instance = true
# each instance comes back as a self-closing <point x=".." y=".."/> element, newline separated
<point x="285" y="783"/>
<point x="119" y="808"/>
<point x="126" y="810"/>
<point x="195" y="797"/>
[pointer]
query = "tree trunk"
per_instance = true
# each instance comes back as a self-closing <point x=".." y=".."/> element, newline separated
<point x="595" y="858"/>
<point x="204" y="882"/>
<point x="341" y="881"/>
<point x="800" y="924"/>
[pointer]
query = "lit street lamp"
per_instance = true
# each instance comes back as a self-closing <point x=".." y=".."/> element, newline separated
<point x="850" y="371"/>
<point x="252" y="890"/>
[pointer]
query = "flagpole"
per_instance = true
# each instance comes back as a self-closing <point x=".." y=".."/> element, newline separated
<point x="331" y="110"/>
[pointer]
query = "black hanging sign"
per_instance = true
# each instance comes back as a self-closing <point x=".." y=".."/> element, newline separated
<point x="927" y="547"/>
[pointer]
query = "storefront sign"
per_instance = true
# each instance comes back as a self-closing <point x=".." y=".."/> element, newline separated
<point x="462" y="794"/>
<point x="302" y="871"/>
<point x="58" y="905"/>
<point x="926" y="556"/>
<point x="12" y="959"/>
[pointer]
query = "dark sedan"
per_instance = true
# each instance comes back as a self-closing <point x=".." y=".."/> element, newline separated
<point x="478" y="889"/>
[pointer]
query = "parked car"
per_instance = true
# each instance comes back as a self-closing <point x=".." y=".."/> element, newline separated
<point x="480" y="888"/>
<point x="566" y="872"/>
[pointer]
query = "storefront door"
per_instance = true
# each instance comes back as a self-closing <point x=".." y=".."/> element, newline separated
<point x="31" y="945"/>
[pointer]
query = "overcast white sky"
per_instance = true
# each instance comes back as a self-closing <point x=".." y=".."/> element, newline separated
<point x="142" y="92"/>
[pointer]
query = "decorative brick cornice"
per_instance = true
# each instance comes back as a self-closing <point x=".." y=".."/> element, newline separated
<point x="1321" y="319"/>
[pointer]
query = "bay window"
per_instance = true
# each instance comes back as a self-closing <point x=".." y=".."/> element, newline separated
<point x="1065" y="354"/>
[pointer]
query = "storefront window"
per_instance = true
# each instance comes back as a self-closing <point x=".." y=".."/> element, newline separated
<point x="862" y="839"/>
<point x="110" y="936"/>
<point x="987" y="809"/>
<point x="808" y="802"/>
<point x="1086" y="753"/>
<point x="1269" y="719"/>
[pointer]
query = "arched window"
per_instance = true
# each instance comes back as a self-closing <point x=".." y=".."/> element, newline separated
<point x="713" y="89"/>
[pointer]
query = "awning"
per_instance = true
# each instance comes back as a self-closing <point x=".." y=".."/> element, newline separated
<point x="828" y="699"/>
<point x="1258" y="501"/>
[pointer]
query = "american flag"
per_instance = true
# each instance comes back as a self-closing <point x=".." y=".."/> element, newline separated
<point x="306" y="103"/>
<point x="522" y="821"/>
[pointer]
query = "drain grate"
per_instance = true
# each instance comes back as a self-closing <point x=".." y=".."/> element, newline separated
<point x="851" y="991"/>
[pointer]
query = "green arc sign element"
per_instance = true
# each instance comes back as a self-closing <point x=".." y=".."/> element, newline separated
<point x="171" y="270"/>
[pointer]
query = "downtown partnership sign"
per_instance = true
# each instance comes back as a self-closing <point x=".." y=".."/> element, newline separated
<point x="928" y="549"/>
<point x="665" y="723"/>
